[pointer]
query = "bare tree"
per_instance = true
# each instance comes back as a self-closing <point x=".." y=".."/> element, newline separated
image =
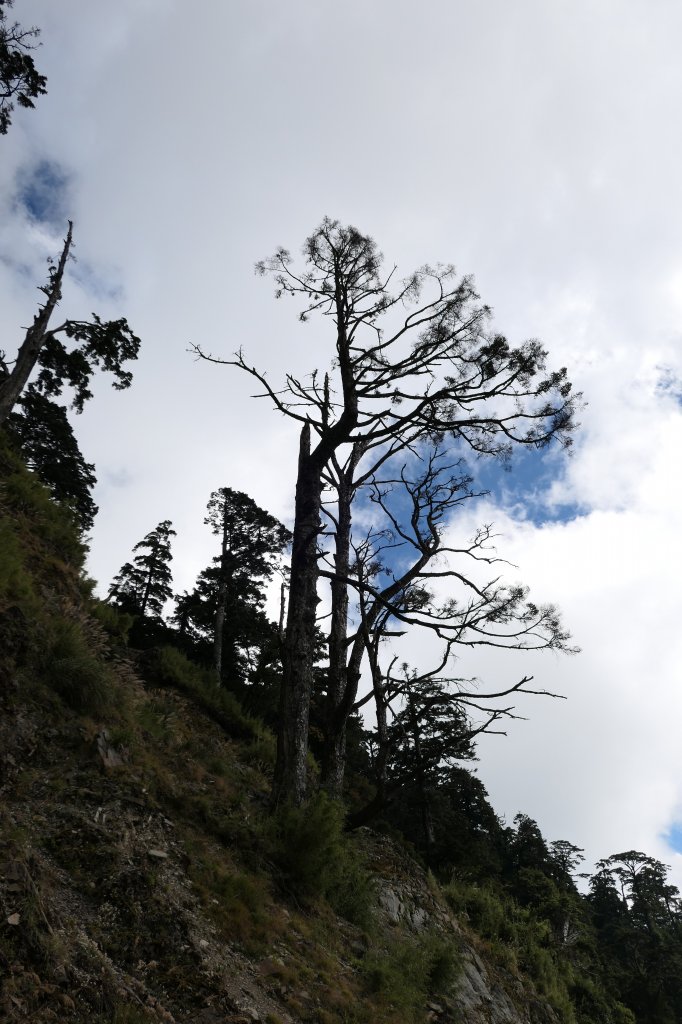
<point x="476" y="613"/>
<point x="410" y="359"/>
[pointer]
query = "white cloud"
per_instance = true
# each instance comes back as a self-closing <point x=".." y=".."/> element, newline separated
<point x="531" y="143"/>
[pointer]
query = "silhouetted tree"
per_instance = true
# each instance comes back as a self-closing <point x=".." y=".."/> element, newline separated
<point x="97" y="344"/>
<point x="251" y="541"/>
<point x="566" y="858"/>
<point x="638" y="917"/>
<point x="20" y="81"/>
<point x="411" y="553"/>
<point x="434" y="371"/>
<point x="429" y="734"/>
<point x="143" y="586"/>
<point x="44" y="434"/>
<point x="225" y="608"/>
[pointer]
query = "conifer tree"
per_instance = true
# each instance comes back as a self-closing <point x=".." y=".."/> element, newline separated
<point x="250" y="540"/>
<point x="47" y="441"/>
<point x="226" y="605"/>
<point x="144" y="585"/>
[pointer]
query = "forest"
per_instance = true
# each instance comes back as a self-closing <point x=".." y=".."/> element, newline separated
<point x="291" y="646"/>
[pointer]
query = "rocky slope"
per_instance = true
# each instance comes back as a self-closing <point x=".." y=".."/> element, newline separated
<point x="127" y="893"/>
<point x="141" y="876"/>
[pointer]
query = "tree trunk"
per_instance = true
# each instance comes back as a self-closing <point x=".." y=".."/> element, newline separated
<point x="299" y="642"/>
<point x="381" y="769"/>
<point x="220" y="609"/>
<point x="334" y="758"/>
<point x="334" y="752"/>
<point x="424" y="802"/>
<point x="12" y="385"/>
<point x="147" y="592"/>
<point x="378" y="801"/>
<point x="299" y="646"/>
<point x="218" y="628"/>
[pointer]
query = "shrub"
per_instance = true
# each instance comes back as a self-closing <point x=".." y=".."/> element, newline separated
<point x="167" y="666"/>
<point x="15" y="586"/>
<point x="115" y="622"/>
<point x="67" y="665"/>
<point x="308" y="845"/>
<point x="317" y="859"/>
<point x="409" y="970"/>
<point x="239" y="902"/>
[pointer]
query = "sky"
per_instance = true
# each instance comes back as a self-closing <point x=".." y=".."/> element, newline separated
<point x="536" y="145"/>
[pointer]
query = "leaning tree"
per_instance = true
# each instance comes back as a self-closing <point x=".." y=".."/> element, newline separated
<point x="411" y="360"/>
<point x="67" y="354"/>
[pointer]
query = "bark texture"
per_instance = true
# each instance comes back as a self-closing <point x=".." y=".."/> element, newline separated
<point x="335" y="727"/>
<point x="297" y="681"/>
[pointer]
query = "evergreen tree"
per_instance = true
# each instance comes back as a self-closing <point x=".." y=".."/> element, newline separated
<point x="638" y="917"/>
<point x="42" y="430"/>
<point x="250" y="541"/>
<point x="226" y="605"/>
<point x="143" y="586"/>
<point x="430" y="733"/>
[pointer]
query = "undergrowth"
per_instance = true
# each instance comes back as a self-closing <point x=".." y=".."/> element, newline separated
<point x="317" y="860"/>
<point x="410" y="969"/>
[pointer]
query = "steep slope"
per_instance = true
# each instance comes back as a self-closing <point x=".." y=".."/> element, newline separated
<point x="141" y="876"/>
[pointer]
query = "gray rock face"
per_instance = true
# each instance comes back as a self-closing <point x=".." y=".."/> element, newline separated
<point x="483" y="994"/>
<point x="480" y="998"/>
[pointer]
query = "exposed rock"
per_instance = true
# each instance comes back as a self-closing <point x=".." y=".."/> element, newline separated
<point x="481" y="995"/>
<point x="109" y="756"/>
<point x="84" y="849"/>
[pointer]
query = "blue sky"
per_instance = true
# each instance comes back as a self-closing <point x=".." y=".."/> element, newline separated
<point x="525" y="486"/>
<point x="43" y="192"/>
<point x="674" y="837"/>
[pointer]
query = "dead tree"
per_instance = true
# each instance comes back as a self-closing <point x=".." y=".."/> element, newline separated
<point x="409" y="360"/>
<point x="97" y="344"/>
<point x="13" y="382"/>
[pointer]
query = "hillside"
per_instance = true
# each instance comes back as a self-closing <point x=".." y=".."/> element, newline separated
<point x="142" y="876"/>
<point x="135" y="887"/>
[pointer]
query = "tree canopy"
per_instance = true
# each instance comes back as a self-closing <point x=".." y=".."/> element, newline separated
<point x="20" y="80"/>
<point x="42" y="429"/>
<point x="143" y="586"/>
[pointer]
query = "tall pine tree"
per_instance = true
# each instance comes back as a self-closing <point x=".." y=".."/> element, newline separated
<point x="143" y="586"/>
<point x="226" y="605"/>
